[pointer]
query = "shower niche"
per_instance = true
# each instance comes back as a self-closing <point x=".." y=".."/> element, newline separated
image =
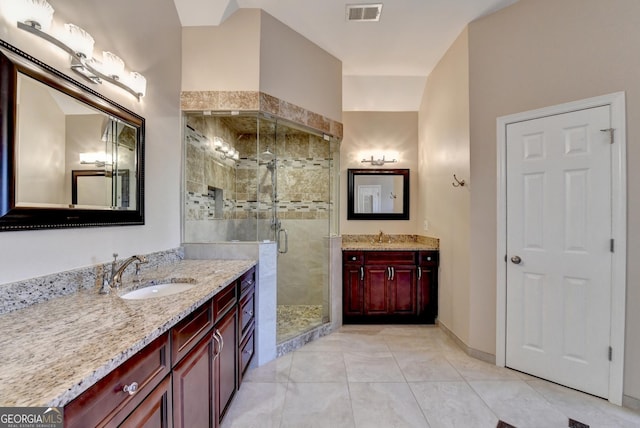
<point x="250" y="177"/>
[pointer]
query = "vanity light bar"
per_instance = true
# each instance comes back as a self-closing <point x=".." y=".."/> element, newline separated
<point x="134" y="83"/>
<point x="378" y="162"/>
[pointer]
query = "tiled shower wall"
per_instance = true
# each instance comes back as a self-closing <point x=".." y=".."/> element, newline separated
<point x="244" y="212"/>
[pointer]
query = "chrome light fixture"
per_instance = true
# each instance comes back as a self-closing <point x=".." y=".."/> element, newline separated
<point x="225" y="150"/>
<point x="37" y="13"/>
<point x="378" y="162"/>
<point x="112" y="65"/>
<point x="35" y="17"/>
<point x="78" y="40"/>
<point x="99" y="159"/>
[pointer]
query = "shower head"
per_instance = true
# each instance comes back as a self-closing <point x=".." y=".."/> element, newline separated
<point x="266" y="156"/>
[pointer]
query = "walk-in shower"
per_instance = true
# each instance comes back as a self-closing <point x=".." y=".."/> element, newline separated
<point x="251" y="177"/>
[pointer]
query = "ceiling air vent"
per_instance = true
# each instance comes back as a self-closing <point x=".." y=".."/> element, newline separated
<point x="364" y="12"/>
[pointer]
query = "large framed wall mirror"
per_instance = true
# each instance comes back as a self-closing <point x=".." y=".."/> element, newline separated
<point x="378" y="194"/>
<point x="69" y="157"/>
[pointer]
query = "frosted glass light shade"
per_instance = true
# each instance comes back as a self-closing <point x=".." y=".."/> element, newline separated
<point x="34" y="12"/>
<point x="112" y="65"/>
<point x="138" y="83"/>
<point x="78" y="40"/>
<point x="95" y="158"/>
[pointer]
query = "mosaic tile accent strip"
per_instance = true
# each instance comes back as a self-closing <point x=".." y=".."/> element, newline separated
<point x="206" y="206"/>
<point x="258" y="101"/>
<point x="20" y="294"/>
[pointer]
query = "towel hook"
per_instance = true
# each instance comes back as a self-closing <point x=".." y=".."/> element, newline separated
<point x="458" y="183"/>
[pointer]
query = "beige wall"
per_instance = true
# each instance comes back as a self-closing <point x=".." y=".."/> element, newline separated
<point x="539" y="53"/>
<point x="223" y="58"/>
<point x="394" y="134"/>
<point x="152" y="47"/>
<point x="295" y="70"/>
<point x="253" y="51"/>
<point x="444" y="151"/>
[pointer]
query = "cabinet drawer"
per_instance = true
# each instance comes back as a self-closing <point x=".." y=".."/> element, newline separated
<point x="186" y="334"/>
<point x="247" y="280"/>
<point x="390" y="257"/>
<point x="106" y="398"/>
<point x="428" y="258"/>
<point x="247" y="310"/>
<point x="247" y="350"/>
<point x="224" y="300"/>
<point x="353" y="257"/>
<point x="155" y="411"/>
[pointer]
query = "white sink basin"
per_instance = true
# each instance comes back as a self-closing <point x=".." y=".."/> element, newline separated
<point x="161" y="289"/>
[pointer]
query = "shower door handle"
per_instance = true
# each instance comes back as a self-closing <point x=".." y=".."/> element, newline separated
<point x="286" y="241"/>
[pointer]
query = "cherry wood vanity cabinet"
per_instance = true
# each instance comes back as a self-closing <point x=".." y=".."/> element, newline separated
<point x="352" y="285"/>
<point x="205" y="363"/>
<point x="389" y="286"/>
<point x="137" y="393"/>
<point x="428" y="262"/>
<point x="185" y="378"/>
<point x="246" y="324"/>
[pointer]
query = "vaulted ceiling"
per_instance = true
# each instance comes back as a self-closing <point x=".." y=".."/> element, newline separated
<point x="385" y="63"/>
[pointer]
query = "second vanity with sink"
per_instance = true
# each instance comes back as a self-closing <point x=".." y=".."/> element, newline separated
<point x="112" y="360"/>
<point x="390" y="279"/>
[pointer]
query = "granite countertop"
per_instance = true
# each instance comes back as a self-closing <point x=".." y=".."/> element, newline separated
<point x="53" y="351"/>
<point x="387" y="246"/>
<point x="389" y="243"/>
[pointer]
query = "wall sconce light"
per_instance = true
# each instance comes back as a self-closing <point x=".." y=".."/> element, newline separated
<point x="37" y="13"/>
<point x="225" y="150"/>
<point x="378" y="162"/>
<point x="99" y="159"/>
<point x="79" y="41"/>
<point x="35" y="17"/>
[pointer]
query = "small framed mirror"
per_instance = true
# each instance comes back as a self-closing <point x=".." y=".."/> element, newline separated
<point x="69" y="157"/>
<point x="378" y="194"/>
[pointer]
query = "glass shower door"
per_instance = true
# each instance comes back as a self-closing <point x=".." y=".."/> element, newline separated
<point x="299" y="180"/>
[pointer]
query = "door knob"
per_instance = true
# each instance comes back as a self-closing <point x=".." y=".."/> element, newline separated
<point x="516" y="259"/>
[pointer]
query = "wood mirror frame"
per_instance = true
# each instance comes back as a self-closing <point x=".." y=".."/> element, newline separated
<point x="21" y="216"/>
<point x="401" y="206"/>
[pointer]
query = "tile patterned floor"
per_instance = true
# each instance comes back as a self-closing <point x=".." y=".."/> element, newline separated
<point x="405" y="376"/>
<point x="293" y="320"/>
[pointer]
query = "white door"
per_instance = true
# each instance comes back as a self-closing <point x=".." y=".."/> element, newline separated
<point x="369" y="198"/>
<point x="559" y="260"/>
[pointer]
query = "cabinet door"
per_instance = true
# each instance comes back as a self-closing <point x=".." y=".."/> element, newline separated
<point x="352" y="283"/>
<point x="227" y="361"/>
<point x="154" y="411"/>
<point x="403" y="290"/>
<point x="192" y="388"/>
<point x="376" y="290"/>
<point x="106" y="402"/>
<point x="428" y="293"/>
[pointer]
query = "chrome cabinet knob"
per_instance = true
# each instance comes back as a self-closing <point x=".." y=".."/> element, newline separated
<point x="516" y="260"/>
<point x="131" y="389"/>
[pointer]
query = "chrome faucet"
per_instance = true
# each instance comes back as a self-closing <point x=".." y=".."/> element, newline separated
<point x="115" y="279"/>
